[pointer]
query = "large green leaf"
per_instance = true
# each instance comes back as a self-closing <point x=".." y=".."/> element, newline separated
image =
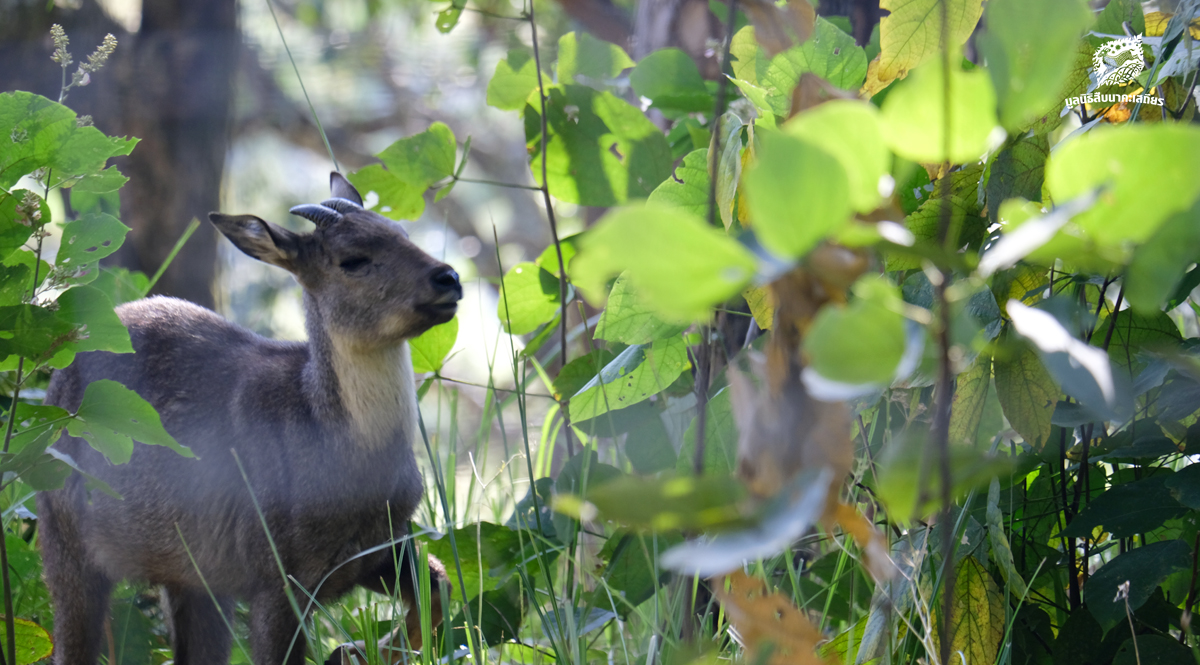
<point x="862" y="342"/>
<point x="112" y="416"/>
<point x="31" y="641"/>
<point x="850" y="132"/>
<point x="669" y="78"/>
<point x="99" y="328"/>
<point x="1030" y="46"/>
<point x="1143" y="568"/>
<point x="628" y="320"/>
<point x="970" y="398"/>
<point x="514" y="80"/>
<point x="528" y="299"/>
<point x="1147" y="173"/>
<point x="688" y="189"/>
<point x="32" y="331"/>
<point x="85" y="241"/>
<point x="581" y="56"/>
<point x="1128" y="509"/>
<point x="1017" y="172"/>
<point x="601" y="151"/>
<point x="720" y="439"/>
<point x="15" y="225"/>
<point x="798" y="192"/>
<point x="829" y="53"/>
<point x="1134" y="333"/>
<point x="914" y="118"/>
<point x="676" y="262"/>
<point x="631" y="575"/>
<point x="40" y="133"/>
<point x="410" y="166"/>
<point x="1158" y="265"/>
<point x="430" y="348"/>
<point x="1027" y="394"/>
<point x="496" y="614"/>
<point x="633" y="376"/>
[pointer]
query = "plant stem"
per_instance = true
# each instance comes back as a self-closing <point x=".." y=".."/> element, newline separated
<point x="704" y="357"/>
<point x="562" y="268"/>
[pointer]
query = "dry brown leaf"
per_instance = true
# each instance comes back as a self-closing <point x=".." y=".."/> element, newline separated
<point x="780" y="28"/>
<point x="762" y="618"/>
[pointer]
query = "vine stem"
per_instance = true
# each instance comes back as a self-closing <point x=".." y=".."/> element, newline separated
<point x="704" y="358"/>
<point x="562" y="268"/>
<point x="942" y="392"/>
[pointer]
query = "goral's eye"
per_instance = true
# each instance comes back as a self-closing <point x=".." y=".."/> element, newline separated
<point x="355" y="263"/>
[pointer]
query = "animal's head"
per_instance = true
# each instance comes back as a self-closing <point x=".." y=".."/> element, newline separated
<point x="373" y="286"/>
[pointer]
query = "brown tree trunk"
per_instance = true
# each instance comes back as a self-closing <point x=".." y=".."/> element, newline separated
<point x="170" y="84"/>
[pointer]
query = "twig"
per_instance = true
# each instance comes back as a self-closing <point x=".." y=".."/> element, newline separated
<point x="562" y="268"/>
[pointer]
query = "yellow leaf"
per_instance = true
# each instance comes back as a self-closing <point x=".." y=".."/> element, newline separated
<point x="977" y="615"/>
<point x="1156" y="24"/>
<point x="970" y="396"/>
<point x="762" y="305"/>
<point x="1027" y="393"/>
<point x="912" y="33"/>
<point x="762" y="618"/>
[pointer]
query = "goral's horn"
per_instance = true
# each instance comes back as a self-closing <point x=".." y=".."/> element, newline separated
<point x="320" y="215"/>
<point x="341" y="205"/>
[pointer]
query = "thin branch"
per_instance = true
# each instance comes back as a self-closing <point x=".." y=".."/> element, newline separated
<point x="562" y="267"/>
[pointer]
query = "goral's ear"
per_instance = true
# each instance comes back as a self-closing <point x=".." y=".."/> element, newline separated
<point x="342" y="189"/>
<point x="260" y="239"/>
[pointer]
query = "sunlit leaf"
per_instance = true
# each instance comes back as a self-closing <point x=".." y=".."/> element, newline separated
<point x="677" y="263"/>
<point x="1159" y="264"/>
<point x="592" y="60"/>
<point x="637" y="373"/>
<point x="669" y="77"/>
<point x="1029" y="46"/>
<point x="977" y="618"/>
<point x="912" y="33"/>
<point x="529" y="298"/>
<point x="798" y="192"/>
<point x="430" y="348"/>
<point x="111" y="417"/>
<point x="98" y="326"/>
<point x="861" y="342"/>
<point x="31" y="641"/>
<point x="688" y="187"/>
<point x="850" y="132"/>
<point x="914" y="122"/>
<point x="513" y="81"/>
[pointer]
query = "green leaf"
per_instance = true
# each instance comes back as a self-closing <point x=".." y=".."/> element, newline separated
<point x="15" y="282"/>
<point x="40" y="133"/>
<point x="31" y="641"/>
<point x="669" y="77"/>
<point x="1185" y="486"/>
<point x="576" y="374"/>
<point x="422" y="159"/>
<point x="859" y="343"/>
<point x="31" y="331"/>
<point x="729" y="169"/>
<point x="430" y="348"/>
<point x="978" y="620"/>
<point x="121" y="285"/>
<point x="601" y="150"/>
<point x="799" y="193"/>
<point x="850" y="132"/>
<point x="514" y="80"/>
<point x="99" y="327"/>
<point x="1128" y="509"/>
<point x="448" y="17"/>
<point x="631" y="575"/>
<point x="496" y="614"/>
<point x="397" y="199"/>
<point x="912" y="32"/>
<point x="1153" y="650"/>
<point x="678" y="264"/>
<point x="1144" y="568"/>
<point x="1136" y="332"/>
<point x="633" y="376"/>
<point x="1158" y="265"/>
<point x="111" y="416"/>
<point x="1001" y="550"/>
<point x="15" y="228"/>
<point x="1112" y="18"/>
<point x="970" y="398"/>
<point x="748" y="56"/>
<point x="89" y="239"/>
<point x="628" y="320"/>
<point x="1146" y="172"/>
<point x="667" y="503"/>
<point x="688" y="189"/>
<point x="1017" y="172"/>
<point x="914" y="121"/>
<point x="829" y="53"/>
<point x="720" y="439"/>
<point x="1030" y="47"/>
<point x="582" y="55"/>
<point x="1027" y="394"/>
<point x="528" y="298"/>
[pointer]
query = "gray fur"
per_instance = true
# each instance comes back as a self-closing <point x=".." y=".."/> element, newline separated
<point x="324" y="429"/>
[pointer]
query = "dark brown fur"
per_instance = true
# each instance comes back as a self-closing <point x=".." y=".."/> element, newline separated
<point x="323" y="429"/>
